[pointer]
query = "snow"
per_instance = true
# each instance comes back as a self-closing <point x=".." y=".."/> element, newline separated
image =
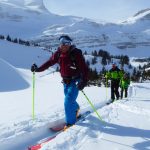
<point x="126" y="121"/>
<point x="138" y="17"/>
<point x="127" y="126"/>
<point x="17" y="122"/>
<point x="18" y="80"/>
<point x="21" y="56"/>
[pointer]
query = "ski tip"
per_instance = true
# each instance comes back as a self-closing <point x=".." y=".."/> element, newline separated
<point x="40" y="144"/>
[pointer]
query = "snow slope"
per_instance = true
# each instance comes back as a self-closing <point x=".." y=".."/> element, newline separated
<point x="16" y="126"/>
<point x="22" y="56"/>
<point x="127" y="121"/>
<point x="14" y="78"/>
<point x="127" y="126"/>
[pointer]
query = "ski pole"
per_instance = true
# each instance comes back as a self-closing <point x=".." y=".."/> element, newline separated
<point x="106" y="87"/>
<point x="92" y="106"/>
<point x="33" y="95"/>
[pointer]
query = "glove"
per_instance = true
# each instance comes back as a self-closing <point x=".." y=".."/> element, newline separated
<point x="81" y="85"/>
<point x="34" y="68"/>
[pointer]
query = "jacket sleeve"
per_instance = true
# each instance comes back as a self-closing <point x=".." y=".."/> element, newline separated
<point x="83" y="68"/>
<point x="108" y="75"/>
<point x="52" y="60"/>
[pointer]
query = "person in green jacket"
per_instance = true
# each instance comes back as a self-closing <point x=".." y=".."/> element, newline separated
<point x="124" y="84"/>
<point x="122" y="72"/>
<point x="114" y="76"/>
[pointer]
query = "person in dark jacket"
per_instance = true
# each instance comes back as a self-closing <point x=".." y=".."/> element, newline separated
<point x="74" y="73"/>
<point x="114" y="76"/>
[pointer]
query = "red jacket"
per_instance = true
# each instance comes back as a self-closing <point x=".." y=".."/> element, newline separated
<point x="68" y="68"/>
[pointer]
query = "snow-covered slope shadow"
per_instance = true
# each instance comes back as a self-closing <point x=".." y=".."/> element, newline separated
<point x="10" y="79"/>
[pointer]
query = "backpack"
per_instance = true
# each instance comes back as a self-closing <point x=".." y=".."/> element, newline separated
<point x="72" y="54"/>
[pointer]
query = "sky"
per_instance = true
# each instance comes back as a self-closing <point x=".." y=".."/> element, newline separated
<point x="100" y="10"/>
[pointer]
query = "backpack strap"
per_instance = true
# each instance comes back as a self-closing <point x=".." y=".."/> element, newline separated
<point x="72" y="53"/>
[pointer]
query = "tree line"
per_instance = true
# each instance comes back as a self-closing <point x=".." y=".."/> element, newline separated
<point x="17" y="40"/>
<point x="106" y="59"/>
<point x="97" y="78"/>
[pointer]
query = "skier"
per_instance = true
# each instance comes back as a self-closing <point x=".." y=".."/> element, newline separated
<point x="124" y="84"/>
<point x="74" y="73"/>
<point x="122" y="72"/>
<point x="114" y="76"/>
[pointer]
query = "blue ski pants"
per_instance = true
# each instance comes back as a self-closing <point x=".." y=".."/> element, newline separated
<point x="71" y="106"/>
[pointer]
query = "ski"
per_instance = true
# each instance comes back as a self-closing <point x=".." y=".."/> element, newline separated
<point x="57" y="129"/>
<point x="109" y="102"/>
<point x="60" y="127"/>
<point x="39" y="144"/>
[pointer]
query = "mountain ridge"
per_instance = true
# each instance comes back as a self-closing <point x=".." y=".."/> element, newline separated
<point x="24" y="21"/>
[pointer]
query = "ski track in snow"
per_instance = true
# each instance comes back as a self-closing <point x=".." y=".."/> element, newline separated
<point x="133" y="109"/>
<point x="77" y="133"/>
<point x="32" y="133"/>
<point x="123" y="104"/>
<point x="80" y="132"/>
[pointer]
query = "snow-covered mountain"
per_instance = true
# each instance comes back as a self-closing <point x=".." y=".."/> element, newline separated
<point x="132" y="34"/>
<point x="27" y="18"/>
<point x="17" y="16"/>
<point x="32" y="5"/>
<point x="143" y="15"/>
<point x="31" y="20"/>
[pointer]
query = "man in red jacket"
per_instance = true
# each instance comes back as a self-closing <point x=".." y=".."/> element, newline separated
<point x="74" y="72"/>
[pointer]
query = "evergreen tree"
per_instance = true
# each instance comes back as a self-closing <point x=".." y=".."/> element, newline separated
<point x="8" y="38"/>
<point x="94" y="61"/>
<point x="15" y="40"/>
<point x="88" y="63"/>
<point x="130" y="66"/>
<point x="27" y="43"/>
<point x="2" y="37"/>
<point x="85" y="52"/>
<point x="103" y="70"/>
<point x="20" y="41"/>
<point x="95" y="53"/>
<point x="104" y="61"/>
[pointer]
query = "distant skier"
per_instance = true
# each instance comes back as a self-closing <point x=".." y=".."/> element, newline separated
<point x="114" y="76"/>
<point x="124" y="84"/>
<point x="122" y="72"/>
<point x="74" y="73"/>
